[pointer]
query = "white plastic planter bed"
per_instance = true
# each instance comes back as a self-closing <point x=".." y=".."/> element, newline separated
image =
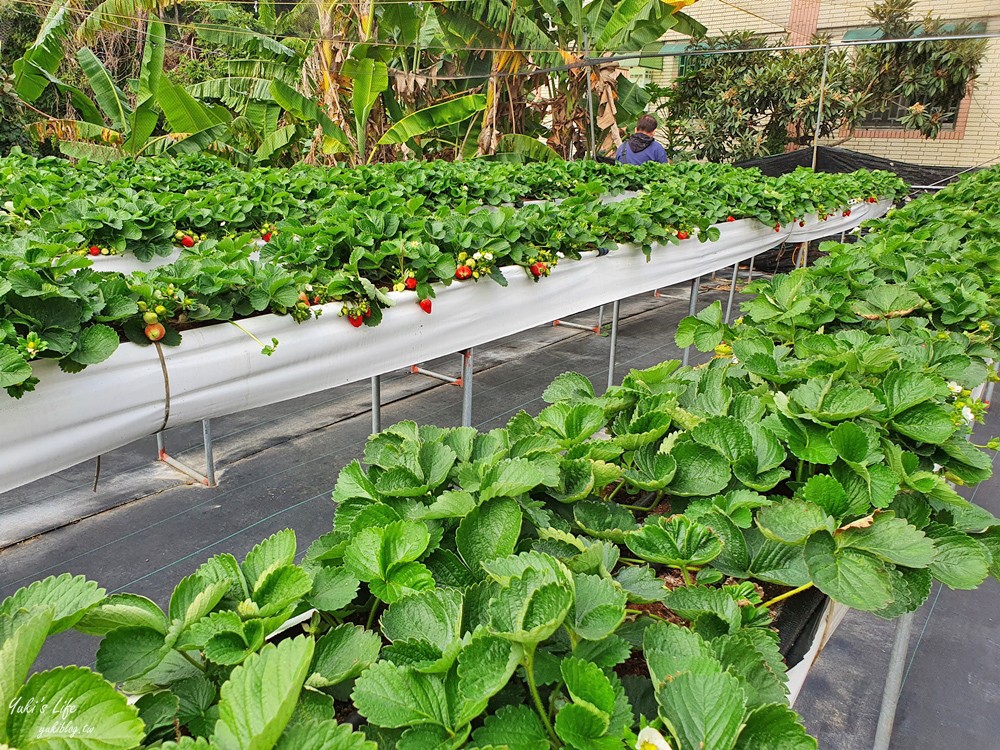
<point x="219" y="370"/>
<point x="836" y="223"/>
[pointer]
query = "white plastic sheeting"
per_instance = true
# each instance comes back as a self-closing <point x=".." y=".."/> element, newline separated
<point x="219" y="370"/>
<point x="836" y="223"/>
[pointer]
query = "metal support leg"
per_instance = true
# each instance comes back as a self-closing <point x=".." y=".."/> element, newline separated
<point x="206" y="434"/>
<point x="732" y="293"/>
<point x="750" y="272"/>
<point x="893" y="682"/>
<point x="614" y="342"/>
<point x="988" y="398"/>
<point x="376" y="404"/>
<point x="467" y="388"/>
<point x="692" y="308"/>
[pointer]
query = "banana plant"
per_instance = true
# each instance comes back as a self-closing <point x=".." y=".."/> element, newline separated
<point x="193" y="126"/>
<point x="370" y="80"/>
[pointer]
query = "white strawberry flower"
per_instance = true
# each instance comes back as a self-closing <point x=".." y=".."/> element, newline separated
<point x="650" y="739"/>
<point x="954" y="387"/>
<point x="967" y="414"/>
<point x="8" y="205"/>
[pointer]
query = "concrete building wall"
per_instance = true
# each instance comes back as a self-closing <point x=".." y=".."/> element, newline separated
<point x="975" y="138"/>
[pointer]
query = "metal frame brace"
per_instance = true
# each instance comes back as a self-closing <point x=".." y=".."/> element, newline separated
<point x="208" y="478"/>
<point x="592" y="329"/>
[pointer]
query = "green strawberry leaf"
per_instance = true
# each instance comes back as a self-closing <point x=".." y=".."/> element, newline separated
<point x="123" y="610"/>
<point x="488" y="532"/>
<point x="598" y="607"/>
<point x="69" y="597"/>
<point x="677" y="541"/>
<point x="793" y="521"/>
<point x="101" y="717"/>
<point x="701" y="471"/>
<point x="257" y="701"/>
<point x="342" y="654"/>
<point x="513" y="727"/>
<point x="392" y="696"/>
<point x="774" y="727"/>
<point x="890" y="539"/>
<point x="706" y="710"/>
<point x="130" y="652"/>
<point x="22" y="635"/>
<point x="323" y="735"/>
<point x="960" y="562"/>
<point x="274" y="552"/>
<point x="849" y="576"/>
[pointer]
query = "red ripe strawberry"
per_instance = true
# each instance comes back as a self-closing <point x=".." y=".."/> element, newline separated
<point x="538" y="269"/>
<point x="155" y="331"/>
<point x="777" y="227"/>
<point x="463" y="272"/>
<point x="425" y="305"/>
<point x="847" y="212"/>
<point x="730" y="218"/>
<point x="187" y="241"/>
<point x="682" y="235"/>
<point x="355" y="320"/>
<point x="872" y="199"/>
<point x="410" y="283"/>
<point x="266" y="236"/>
<point x="802" y="223"/>
<point x="95" y="250"/>
<point x="368" y="313"/>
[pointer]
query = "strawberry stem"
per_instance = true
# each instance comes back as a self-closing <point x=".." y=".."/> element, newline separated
<point x="529" y="670"/>
<point x="787" y="595"/>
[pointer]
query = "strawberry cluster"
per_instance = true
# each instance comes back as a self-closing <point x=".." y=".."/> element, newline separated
<point x="474" y="266"/>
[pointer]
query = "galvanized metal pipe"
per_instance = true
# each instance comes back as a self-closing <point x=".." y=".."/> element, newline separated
<point x="376" y="404"/>
<point x="206" y="434"/>
<point x="692" y="309"/>
<point x="732" y="292"/>
<point x="893" y="682"/>
<point x="822" y="99"/>
<point x="467" y="388"/>
<point x="614" y="342"/>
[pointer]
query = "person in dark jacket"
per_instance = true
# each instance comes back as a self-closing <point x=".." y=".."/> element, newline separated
<point x="641" y="146"/>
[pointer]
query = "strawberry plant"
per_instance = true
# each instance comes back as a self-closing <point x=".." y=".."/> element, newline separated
<point x="357" y="233"/>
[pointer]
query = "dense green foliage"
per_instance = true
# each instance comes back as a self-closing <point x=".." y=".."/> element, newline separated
<point x="742" y="105"/>
<point x="575" y="576"/>
<point x="336" y="236"/>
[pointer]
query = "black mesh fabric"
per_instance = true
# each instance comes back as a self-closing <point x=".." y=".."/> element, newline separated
<point x="798" y="623"/>
<point x="836" y="160"/>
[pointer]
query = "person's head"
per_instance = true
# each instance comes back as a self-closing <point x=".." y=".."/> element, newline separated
<point x="647" y="124"/>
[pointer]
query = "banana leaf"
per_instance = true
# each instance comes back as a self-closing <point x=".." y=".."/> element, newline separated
<point x="435" y="116"/>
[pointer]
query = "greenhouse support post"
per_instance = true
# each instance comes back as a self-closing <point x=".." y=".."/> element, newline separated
<point x="206" y="435"/>
<point x="732" y="293"/>
<point x="590" y="100"/>
<point x="893" y="682"/>
<point x="692" y="309"/>
<point x="376" y="404"/>
<point x="614" y="342"/>
<point x="822" y="99"/>
<point x="467" y="388"/>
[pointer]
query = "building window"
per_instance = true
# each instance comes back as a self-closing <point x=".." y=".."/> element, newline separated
<point x="891" y="117"/>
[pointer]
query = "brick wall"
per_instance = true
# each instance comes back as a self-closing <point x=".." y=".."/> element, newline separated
<point x="974" y="141"/>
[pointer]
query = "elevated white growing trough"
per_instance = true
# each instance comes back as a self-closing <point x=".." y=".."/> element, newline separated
<point x="219" y="370"/>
